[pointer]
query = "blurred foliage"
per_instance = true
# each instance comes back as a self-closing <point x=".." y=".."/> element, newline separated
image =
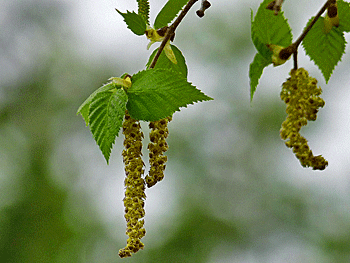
<point x="233" y="203"/>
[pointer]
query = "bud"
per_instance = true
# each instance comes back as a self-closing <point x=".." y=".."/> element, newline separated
<point x="279" y="54"/>
<point x="332" y="18"/>
<point x="124" y="81"/>
<point x="158" y="36"/>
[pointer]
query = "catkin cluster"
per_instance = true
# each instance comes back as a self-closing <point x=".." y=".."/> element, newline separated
<point x="135" y="186"/>
<point x="301" y="94"/>
<point x="157" y="146"/>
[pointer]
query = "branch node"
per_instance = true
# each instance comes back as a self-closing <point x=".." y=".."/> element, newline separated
<point x="170" y="32"/>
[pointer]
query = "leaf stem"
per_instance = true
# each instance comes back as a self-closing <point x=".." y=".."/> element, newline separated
<point x="171" y="30"/>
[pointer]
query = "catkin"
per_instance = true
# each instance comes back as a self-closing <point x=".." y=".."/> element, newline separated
<point x="157" y="146"/>
<point x="143" y="10"/>
<point x="302" y="96"/>
<point x="135" y="186"/>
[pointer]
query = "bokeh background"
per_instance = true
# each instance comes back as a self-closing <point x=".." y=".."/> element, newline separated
<point x="232" y="191"/>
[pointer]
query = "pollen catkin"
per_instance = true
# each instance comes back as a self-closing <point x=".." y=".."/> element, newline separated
<point x="135" y="186"/>
<point x="157" y="146"/>
<point x="301" y="94"/>
<point x="143" y="10"/>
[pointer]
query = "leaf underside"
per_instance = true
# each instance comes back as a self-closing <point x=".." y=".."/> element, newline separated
<point x="84" y="108"/>
<point x="106" y="114"/>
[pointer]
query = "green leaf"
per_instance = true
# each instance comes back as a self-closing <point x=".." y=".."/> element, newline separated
<point x="268" y="28"/>
<point x="255" y="71"/>
<point x="158" y="93"/>
<point x="106" y="114"/>
<point x="325" y="50"/>
<point x="344" y="15"/>
<point x="165" y="63"/>
<point x="168" y="12"/>
<point x="134" y="22"/>
<point x="259" y="45"/>
<point x="84" y="108"/>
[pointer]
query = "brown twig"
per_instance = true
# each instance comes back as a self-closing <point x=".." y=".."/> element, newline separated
<point x="308" y="28"/>
<point x="171" y="31"/>
<point x="293" y="48"/>
<point x="295" y="59"/>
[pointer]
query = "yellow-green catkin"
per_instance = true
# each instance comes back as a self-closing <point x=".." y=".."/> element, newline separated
<point x="302" y="96"/>
<point x="143" y="10"/>
<point x="157" y="146"/>
<point x="135" y="186"/>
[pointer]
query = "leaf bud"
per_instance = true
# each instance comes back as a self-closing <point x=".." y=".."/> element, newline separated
<point x="277" y="57"/>
<point x="332" y="18"/>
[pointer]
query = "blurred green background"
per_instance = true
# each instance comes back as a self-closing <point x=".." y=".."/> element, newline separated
<point x="232" y="191"/>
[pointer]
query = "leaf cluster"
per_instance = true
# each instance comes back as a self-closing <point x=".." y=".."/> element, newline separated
<point x="154" y="94"/>
<point x="138" y="24"/>
<point x="327" y="48"/>
<point x="271" y="34"/>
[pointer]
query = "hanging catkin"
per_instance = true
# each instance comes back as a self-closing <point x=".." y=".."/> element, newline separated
<point x="302" y="96"/>
<point x="157" y="146"/>
<point x="135" y="186"/>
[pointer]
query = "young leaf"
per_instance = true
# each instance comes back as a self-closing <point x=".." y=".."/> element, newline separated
<point x="325" y="50"/>
<point x="158" y="93"/>
<point x="168" y="12"/>
<point x="134" y="22"/>
<point x="106" y="114"/>
<point x="344" y="15"/>
<point x="268" y="28"/>
<point x="84" y="108"/>
<point x="164" y="62"/>
<point x="255" y="71"/>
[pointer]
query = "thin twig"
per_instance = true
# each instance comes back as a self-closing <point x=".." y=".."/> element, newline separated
<point x="302" y="36"/>
<point x="295" y="59"/>
<point x="293" y="48"/>
<point x="171" y="30"/>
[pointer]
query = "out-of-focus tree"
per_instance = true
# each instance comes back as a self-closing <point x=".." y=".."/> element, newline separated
<point x="232" y="203"/>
